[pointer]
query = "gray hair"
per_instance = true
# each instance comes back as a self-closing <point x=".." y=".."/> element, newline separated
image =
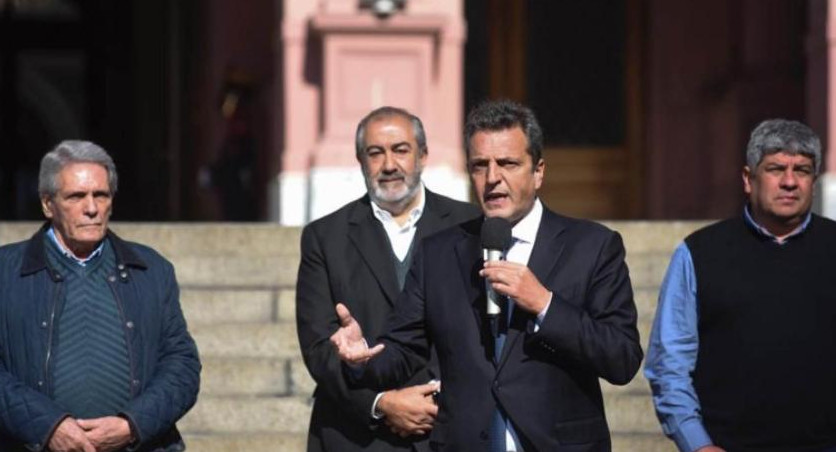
<point x="497" y="115"/>
<point x="388" y="112"/>
<point x="781" y="135"/>
<point x="73" y="151"/>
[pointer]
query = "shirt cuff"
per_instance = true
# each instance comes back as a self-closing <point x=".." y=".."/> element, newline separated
<point x="542" y="314"/>
<point x="691" y="436"/>
<point x="377" y="415"/>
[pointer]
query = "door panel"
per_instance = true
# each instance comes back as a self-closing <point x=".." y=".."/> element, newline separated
<point x="577" y="64"/>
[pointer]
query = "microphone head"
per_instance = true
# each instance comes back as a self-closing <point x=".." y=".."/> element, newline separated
<point x="496" y="234"/>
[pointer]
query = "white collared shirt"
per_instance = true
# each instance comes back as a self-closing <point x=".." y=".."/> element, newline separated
<point x="69" y="254"/>
<point x="400" y="237"/>
<point x="524" y="233"/>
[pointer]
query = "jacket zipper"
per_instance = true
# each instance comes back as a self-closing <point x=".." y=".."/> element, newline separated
<point x="47" y="383"/>
<point x="131" y="364"/>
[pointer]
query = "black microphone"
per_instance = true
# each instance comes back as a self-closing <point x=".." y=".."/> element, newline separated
<point x="496" y="238"/>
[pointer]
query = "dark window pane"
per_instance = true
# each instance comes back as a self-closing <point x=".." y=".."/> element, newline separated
<point x="576" y="70"/>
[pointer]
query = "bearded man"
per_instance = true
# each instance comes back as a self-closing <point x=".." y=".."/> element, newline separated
<point x="359" y="256"/>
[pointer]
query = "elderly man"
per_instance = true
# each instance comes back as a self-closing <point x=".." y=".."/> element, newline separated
<point x="359" y="256"/>
<point x="741" y="356"/>
<point x="530" y="380"/>
<point x="94" y="351"/>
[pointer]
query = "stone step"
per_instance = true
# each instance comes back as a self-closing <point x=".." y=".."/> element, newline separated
<point x="630" y="421"/>
<point x="213" y="239"/>
<point x="213" y="305"/>
<point x="236" y="271"/>
<point x="247" y="415"/>
<point x="242" y="340"/>
<point x="642" y="237"/>
<point x="255" y="377"/>
<point x="267" y="239"/>
<point x="297" y="442"/>
<point x="647" y="270"/>
<point x="641" y="442"/>
<point x="267" y="442"/>
<point x="225" y="305"/>
<point x="631" y="413"/>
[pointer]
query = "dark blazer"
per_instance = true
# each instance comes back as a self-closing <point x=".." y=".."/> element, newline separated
<point x="547" y="381"/>
<point x="346" y="257"/>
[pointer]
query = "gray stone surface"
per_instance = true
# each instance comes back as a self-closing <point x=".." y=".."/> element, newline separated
<point x="641" y="442"/>
<point x="286" y="305"/>
<point x="631" y="413"/>
<point x="211" y="305"/>
<point x="644" y="237"/>
<point x="244" y="340"/>
<point x="268" y="442"/>
<point x="247" y="415"/>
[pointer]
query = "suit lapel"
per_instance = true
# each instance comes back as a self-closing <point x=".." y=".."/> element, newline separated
<point x="369" y="239"/>
<point x="542" y="262"/>
<point x="432" y="220"/>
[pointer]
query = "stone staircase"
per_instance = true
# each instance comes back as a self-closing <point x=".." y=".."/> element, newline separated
<point x="237" y="290"/>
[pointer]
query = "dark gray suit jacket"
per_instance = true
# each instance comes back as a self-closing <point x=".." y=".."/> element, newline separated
<point x="346" y="257"/>
<point x="546" y="382"/>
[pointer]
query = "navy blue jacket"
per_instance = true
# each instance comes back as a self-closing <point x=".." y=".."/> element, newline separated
<point x="164" y="364"/>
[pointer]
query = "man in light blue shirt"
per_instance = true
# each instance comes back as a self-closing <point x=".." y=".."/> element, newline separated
<point x="744" y="316"/>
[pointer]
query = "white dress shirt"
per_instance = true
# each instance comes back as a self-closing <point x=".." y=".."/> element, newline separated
<point x="400" y="237"/>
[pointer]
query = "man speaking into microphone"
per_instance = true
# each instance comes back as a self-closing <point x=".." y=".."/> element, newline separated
<point x="526" y="377"/>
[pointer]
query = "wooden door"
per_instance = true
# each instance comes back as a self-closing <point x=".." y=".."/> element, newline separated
<point x="577" y="64"/>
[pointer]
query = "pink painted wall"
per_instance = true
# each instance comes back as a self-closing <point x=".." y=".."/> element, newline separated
<point x="339" y="63"/>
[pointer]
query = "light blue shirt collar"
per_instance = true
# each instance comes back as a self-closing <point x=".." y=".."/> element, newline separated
<point x="764" y="232"/>
<point x="66" y="252"/>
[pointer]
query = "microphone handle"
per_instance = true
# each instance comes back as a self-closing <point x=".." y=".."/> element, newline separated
<point x="493" y="309"/>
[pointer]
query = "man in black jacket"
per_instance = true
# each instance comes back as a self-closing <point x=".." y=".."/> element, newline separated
<point x="359" y="256"/>
<point x="94" y="351"/>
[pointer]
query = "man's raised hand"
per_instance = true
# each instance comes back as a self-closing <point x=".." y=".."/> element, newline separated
<point x="349" y="341"/>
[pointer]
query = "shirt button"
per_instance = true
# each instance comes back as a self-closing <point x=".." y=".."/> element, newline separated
<point x="123" y="275"/>
<point x="111" y="278"/>
<point x="44" y="324"/>
<point x="135" y="382"/>
<point x="40" y="383"/>
<point x="121" y="266"/>
<point x="130" y="324"/>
